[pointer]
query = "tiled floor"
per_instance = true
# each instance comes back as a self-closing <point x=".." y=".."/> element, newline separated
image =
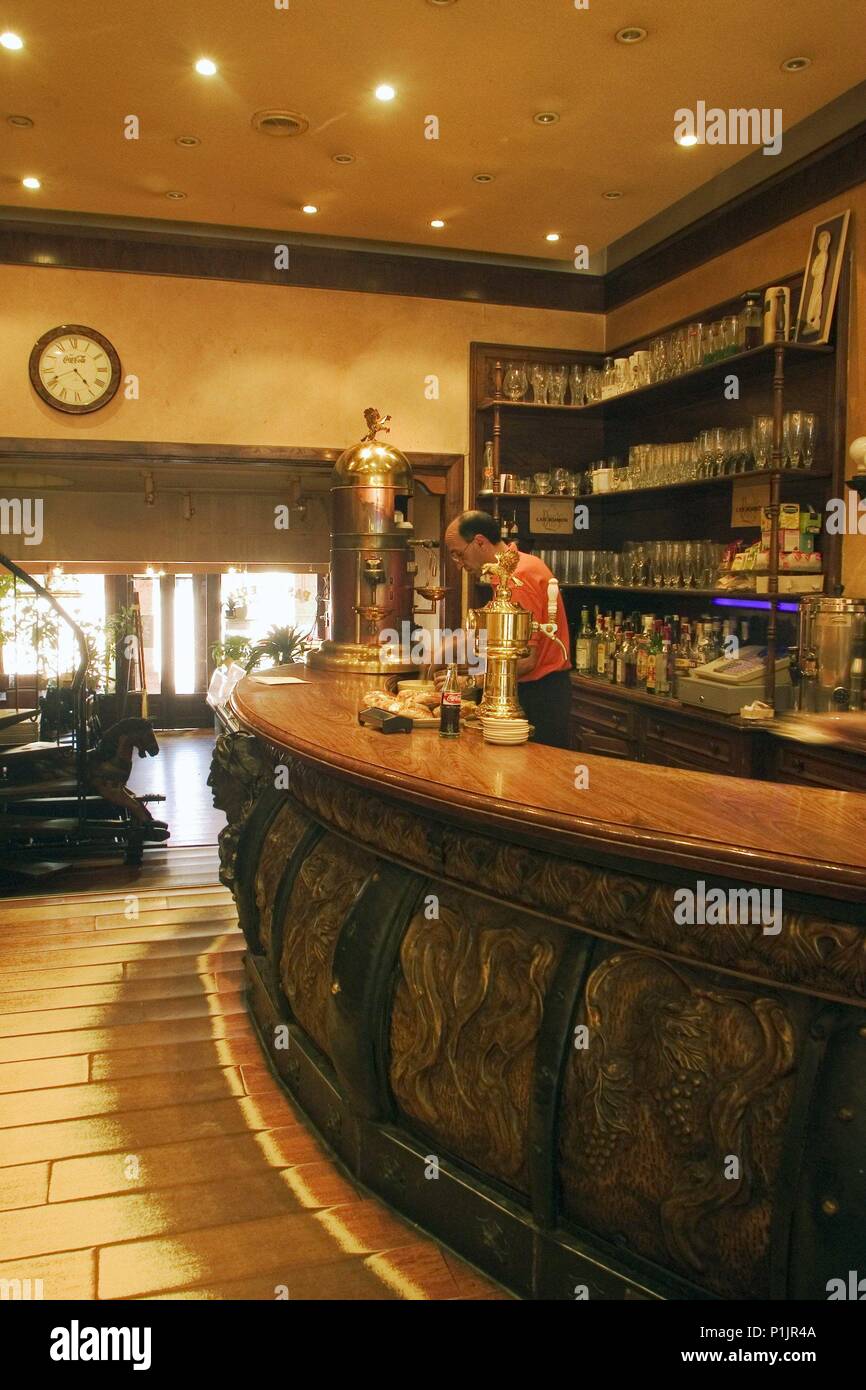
<point x="145" y="1149"/>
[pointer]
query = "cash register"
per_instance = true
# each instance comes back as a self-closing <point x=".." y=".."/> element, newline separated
<point x="728" y="683"/>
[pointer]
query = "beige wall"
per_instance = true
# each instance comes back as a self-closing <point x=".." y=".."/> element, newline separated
<point x="755" y="264"/>
<point x="223" y="363"/>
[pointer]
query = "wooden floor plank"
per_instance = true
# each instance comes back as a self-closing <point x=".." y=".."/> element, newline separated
<point x="74" y="996"/>
<point x="39" y="1075"/>
<point x="213" y="1159"/>
<point x="174" y="1057"/>
<point x="137" y="1130"/>
<point x="71" y="1274"/>
<point x="120" y="1016"/>
<point x="118" y="1097"/>
<point x="134" y="1035"/>
<point x="25" y="1185"/>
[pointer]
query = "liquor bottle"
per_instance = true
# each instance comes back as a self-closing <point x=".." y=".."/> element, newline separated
<point x="614" y="642"/>
<point x="449" y="710"/>
<point x="642" y="655"/>
<point x="630" y="681"/>
<point x="601" y="648"/>
<point x="653" y="654"/>
<point x="752" y="320"/>
<point x="664" y="663"/>
<point x="625" y="659"/>
<point x="683" y="658"/>
<point x="583" y="645"/>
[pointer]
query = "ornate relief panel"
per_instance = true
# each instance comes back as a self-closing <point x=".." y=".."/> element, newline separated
<point x="673" y="1116"/>
<point x="812" y="952"/>
<point x="464" y="1026"/>
<point x="286" y="830"/>
<point x="240" y="771"/>
<point x="327" y="884"/>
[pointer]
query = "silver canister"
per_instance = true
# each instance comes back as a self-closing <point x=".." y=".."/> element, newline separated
<point x="830" y="656"/>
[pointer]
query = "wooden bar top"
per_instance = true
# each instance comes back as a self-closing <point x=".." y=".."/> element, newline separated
<point x="806" y="839"/>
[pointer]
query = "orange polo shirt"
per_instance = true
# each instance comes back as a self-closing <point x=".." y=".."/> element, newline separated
<point x="533" y="595"/>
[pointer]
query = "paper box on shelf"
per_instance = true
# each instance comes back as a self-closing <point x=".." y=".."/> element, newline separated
<point x="792" y="584"/>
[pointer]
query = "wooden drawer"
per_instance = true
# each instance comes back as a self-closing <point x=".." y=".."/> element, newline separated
<point x="791" y="762"/>
<point x="587" y="739"/>
<point x="607" y="715"/>
<point x="679" y="742"/>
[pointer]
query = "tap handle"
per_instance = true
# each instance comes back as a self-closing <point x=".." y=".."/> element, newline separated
<point x="552" y="599"/>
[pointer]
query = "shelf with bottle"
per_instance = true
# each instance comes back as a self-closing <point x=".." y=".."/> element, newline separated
<point x="753" y="362"/>
<point x="647" y="653"/>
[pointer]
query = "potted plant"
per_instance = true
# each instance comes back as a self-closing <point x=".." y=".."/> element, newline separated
<point x="281" y="645"/>
<point x="232" y="649"/>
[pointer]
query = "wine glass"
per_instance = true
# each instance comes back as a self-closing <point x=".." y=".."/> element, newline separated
<point x="515" y="382"/>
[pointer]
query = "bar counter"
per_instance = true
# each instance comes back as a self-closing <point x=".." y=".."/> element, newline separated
<point x="469" y="971"/>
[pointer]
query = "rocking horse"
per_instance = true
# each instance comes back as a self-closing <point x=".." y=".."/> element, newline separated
<point x="109" y="767"/>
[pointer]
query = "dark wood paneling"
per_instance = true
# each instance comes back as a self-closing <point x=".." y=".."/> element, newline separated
<point x="311" y="267"/>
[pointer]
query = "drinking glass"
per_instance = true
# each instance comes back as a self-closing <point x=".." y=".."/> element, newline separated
<point x="656" y="552"/>
<point x="659" y="360"/>
<point x="694" y="351"/>
<point x="592" y="563"/>
<point x="810" y="438"/>
<point x="616" y="570"/>
<point x="671" y="564"/>
<point x="541" y="483"/>
<point x="730" y="335"/>
<point x="678" y="352"/>
<point x="576" y="384"/>
<point x="690" y="565"/>
<point x="556" y="384"/>
<point x="792" y="439"/>
<point x="762" y="440"/>
<point x="515" y="381"/>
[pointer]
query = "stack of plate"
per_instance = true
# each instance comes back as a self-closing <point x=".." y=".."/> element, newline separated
<point x="505" y="730"/>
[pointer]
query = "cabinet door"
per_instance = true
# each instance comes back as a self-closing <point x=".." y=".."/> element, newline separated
<point x="839" y="770"/>
<point x="601" y="723"/>
<point x="675" y="741"/>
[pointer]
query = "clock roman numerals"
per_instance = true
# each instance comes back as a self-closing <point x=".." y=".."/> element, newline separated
<point x="75" y="369"/>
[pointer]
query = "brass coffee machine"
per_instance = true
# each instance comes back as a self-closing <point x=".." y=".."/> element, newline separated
<point x="372" y="558"/>
<point x="507" y="628"/>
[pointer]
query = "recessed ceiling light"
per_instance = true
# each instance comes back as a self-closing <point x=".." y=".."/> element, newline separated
<point x="552" y="236"/>
<point x="206" y="67"/>
<point x="343" y="158"/>
<point x="611" y="194"/>
<point x="175" y="193"/>
<point x="631" y="34"/>
<point x="10" y="40"/>
<point x="20" y="120"/>
<point x="385" y="93"/>
<point x="546" y="117"/>
<point x="796" y="64"/>
<point x="31" y="181"/>
<point x="437" y="222"/>
<point x="187" y="141"/>
<point x="482" y="178"/>
<point x="442" y="2"/>
<point x="310" y="209"/>
<point x="686" y="140"/>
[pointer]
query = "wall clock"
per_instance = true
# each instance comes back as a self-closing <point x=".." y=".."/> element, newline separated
<point x="75" y="369"/>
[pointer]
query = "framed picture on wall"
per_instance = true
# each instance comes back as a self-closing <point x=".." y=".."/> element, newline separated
<point x="821" y="281"/>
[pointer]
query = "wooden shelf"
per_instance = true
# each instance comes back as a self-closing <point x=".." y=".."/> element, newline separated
<point x="750" y="474"/>
<point x="756" y="361"/>
<point x="663" y="591"/>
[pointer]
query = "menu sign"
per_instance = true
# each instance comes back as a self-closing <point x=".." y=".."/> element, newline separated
<point x="551" y="516"/>
<point x="747" y="501"/>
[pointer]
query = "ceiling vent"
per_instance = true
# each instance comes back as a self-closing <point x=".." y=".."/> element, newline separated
<point x="280" y="123"/>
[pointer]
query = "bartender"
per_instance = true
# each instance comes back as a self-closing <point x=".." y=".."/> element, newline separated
<point x="472" y="541"/>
